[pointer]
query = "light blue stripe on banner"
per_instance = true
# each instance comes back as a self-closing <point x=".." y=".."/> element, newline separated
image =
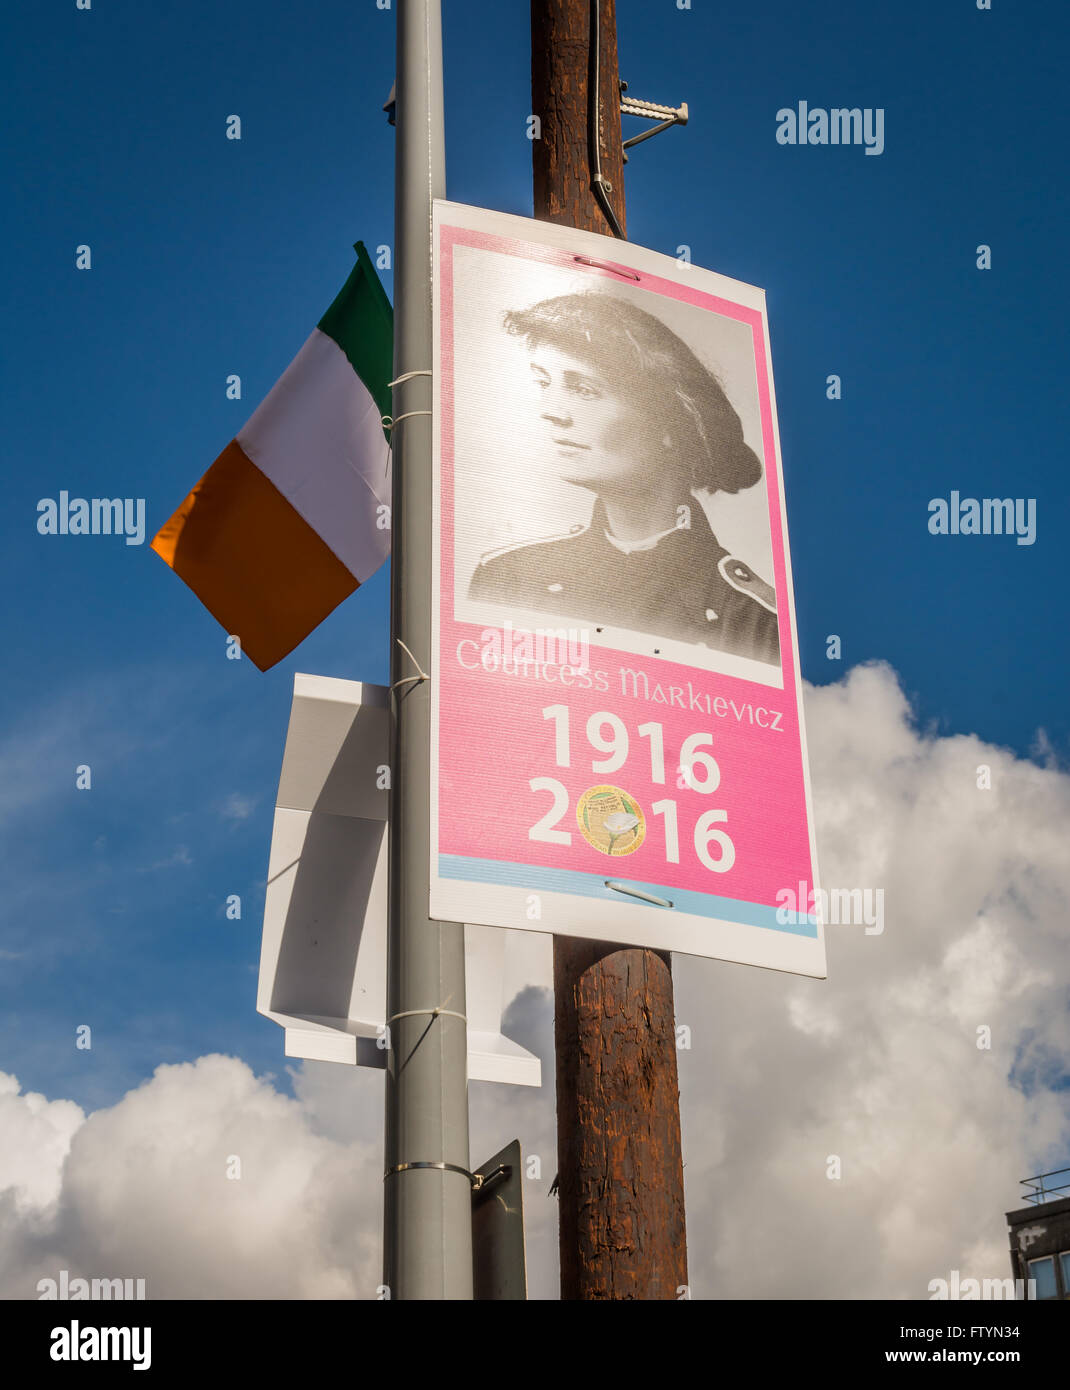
<point x="459" y="866"/>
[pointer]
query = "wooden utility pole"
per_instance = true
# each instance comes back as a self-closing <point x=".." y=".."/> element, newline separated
<point x="620" y="1173"/>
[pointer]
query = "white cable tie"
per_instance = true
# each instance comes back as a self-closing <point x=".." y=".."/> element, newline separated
<point x="407" y="376"/>
<point x="410" y="1013"/>
<point x="408" y="680"/>
<point x="422" y="676"/>
<point x="390" y="421"/>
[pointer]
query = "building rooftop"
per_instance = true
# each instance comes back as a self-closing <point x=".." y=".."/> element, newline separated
<point x="1047" y="1187"/>
<point x="1048" y="1190"/>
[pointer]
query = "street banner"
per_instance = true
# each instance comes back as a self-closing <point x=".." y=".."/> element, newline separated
<point x="617" y="741"/>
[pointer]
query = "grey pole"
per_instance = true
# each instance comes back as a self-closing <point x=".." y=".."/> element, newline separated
<point x="427" y="1211"/>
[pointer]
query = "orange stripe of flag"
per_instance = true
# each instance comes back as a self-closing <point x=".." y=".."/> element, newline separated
<point x="252" y="560"/>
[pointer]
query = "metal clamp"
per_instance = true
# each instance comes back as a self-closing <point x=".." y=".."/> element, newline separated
<point x="442" y="1167"/>
<point x="478" y="1181"/>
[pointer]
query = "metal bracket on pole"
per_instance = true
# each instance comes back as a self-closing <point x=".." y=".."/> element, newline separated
<point x="666" y="116"/>
<point x="483" y="1182"/>
<point x="499" y="1268"/>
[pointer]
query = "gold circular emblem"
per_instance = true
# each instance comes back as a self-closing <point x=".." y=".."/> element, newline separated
<point x="611" y="820"/>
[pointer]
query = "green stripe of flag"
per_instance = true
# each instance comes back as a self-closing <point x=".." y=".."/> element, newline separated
<point x="361" y="322"/>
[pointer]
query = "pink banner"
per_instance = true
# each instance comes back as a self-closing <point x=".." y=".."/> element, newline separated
<point x="616" y="701"/>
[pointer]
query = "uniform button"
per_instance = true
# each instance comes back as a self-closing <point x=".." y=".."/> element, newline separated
<point x="554" y="588"/>
<point x="711" y="616"/>
<point x="741" y="571"/>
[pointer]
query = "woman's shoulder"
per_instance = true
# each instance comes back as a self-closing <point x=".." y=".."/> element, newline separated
<point x="738" y="575"/>
<point x="518" y="549"/>
<point x="532" y="563"/>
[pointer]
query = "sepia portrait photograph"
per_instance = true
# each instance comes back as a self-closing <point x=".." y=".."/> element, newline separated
<point x="609" y="467"/>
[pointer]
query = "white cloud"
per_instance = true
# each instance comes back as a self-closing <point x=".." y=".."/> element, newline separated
<point x="145" y="1192"/>
<point x="238" y="807"/>
<point x="37" y="1136"/>
<point x="878" y="1065"/>
<point x="179" y="858"/>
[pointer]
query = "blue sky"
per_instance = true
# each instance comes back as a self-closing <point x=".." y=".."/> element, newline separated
<point x="213" y="256"/>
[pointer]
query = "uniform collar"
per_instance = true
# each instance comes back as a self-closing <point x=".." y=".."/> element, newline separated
<point x="697" y="533"/>
<point x="626" y="547"/>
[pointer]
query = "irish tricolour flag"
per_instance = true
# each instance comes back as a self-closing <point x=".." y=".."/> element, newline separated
<point x="295" y="512"/>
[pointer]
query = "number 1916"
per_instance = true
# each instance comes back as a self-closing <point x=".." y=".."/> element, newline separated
<point x="698" y="771"/>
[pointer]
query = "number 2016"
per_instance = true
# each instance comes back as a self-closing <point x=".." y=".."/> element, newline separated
<point x="616" y="748"/>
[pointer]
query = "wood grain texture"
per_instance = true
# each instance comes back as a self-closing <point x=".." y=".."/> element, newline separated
<point x="620" y="1171"/>
<point x="561" y="176"/>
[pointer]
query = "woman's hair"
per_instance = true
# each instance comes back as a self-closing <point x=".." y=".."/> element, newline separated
<point x="643" y="356"/>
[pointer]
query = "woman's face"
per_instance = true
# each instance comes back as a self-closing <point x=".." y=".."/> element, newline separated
<point x="598" y="437"/>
